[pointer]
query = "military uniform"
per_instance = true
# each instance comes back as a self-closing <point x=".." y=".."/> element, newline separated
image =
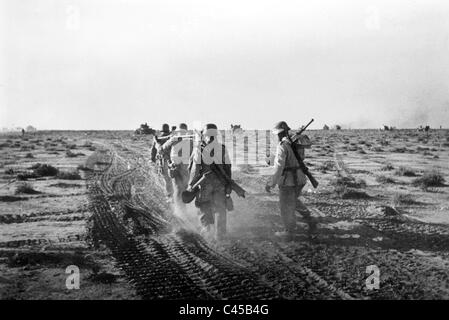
<point x="213" y="192"/>
<point x="179" y="151"/>
<point x="291" y="180"/>
<point x="164" y="170"/>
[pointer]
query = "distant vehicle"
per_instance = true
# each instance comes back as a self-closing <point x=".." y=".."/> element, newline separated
<point x="236" y="128"/>
<point x="337" y="127"/>
<point x="426" y="128"/>
<point x="388" y="128"/>
<point x="326" y="127"/>
<point x="30" y="129"/>
<point x="145" y="129"/>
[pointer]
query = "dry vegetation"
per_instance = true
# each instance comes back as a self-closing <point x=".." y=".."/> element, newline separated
<point x="382" y="200"/>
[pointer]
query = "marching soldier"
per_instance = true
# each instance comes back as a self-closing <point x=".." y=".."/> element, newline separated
<point x="291" y="180"/>
<point x="214" y="194"/>
<point x="179" y="150"/>
<point x="163" y="160"/>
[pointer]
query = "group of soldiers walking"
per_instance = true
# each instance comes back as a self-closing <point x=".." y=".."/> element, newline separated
<point x="203" y="168"/>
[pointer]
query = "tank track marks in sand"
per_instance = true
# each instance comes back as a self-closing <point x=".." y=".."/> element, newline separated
<point x="76" y="239"/>
<point x="164" y="264"/>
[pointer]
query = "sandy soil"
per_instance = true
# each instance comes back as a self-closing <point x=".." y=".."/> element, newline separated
<point x="114" y="224"/>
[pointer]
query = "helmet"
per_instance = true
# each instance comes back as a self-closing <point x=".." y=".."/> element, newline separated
<point x="210" y="130"/>
<point x="279" y="127"/>
<point x="182" y="126"/>
<point x="165" y="128"/>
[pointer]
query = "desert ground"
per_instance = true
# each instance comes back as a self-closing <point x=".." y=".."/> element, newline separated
<point x="93" y="199"/>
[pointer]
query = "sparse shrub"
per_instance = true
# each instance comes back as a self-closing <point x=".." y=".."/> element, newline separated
<point x="377" y="149"/>
<point x="387" y="167"/>
<point x="361" y="151"/>
<point x="10" y="171"/>
<point x="385" y="179"/>
<point x="70" y="154"/>
<point x="405" y="172"/>
<point x="44" y="170"/>
<point x="349" y="182"/>
<point x="399" y="150"/>
<point x="327" y="166"/>
<point x="29" y="155"/>
<point x="71" y="146"/>
<point x="350" y="193"/>
<point x="403" y="199"/>
<point x="26" y="176"/>
<point x="68" y="175"/>
<point x="25" y="188"/>
<point x="65" y="185"/>
<point x="431" y="178"/>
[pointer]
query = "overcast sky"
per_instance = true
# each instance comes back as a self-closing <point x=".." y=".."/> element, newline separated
<point x="110" y="64"/>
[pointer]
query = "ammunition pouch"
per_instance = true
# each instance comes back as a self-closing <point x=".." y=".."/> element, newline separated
<point x="229" y="204"/>
<point x="172" y="170"/>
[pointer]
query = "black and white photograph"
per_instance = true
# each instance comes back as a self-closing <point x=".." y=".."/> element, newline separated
<point x="241" y="152"/>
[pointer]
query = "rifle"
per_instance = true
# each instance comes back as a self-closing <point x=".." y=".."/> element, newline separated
<point x="301" y="163"/>
<point x="222" y="175"/>
<point x="303" y="128"/>
<point x="161" y="140"/>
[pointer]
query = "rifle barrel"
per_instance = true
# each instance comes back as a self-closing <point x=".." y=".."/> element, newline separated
<point x="305" y="128"/>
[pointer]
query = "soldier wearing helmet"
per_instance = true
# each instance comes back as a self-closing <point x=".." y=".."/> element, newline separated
<point x="214" y="193"/>
<point x="179" y="150"/>
<point x="163" y="158"/>
<point x="291" y="180"/>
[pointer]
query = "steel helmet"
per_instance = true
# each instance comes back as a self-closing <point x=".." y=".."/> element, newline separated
<point x="279" y="127"/>
<point x="210" y="130"/>
<point x="165" y="128"/>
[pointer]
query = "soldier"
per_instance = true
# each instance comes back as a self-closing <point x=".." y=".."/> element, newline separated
<point x="179" y="150"/>
<point x="214" y="194"/>
<point x="163" y="159"/>
<point x="291" y="180"/>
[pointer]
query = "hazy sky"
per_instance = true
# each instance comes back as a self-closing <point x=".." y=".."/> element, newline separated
<point x="110" y="64"/>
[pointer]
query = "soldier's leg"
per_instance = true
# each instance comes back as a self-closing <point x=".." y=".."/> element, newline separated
<point x="305" y="212"/>
<point x="220" y="209"/>
<point x="206" y="214"/>
<point x="300" y="206"/>
<point x="287" y="202"/>
<point x="204" y="201"/>
<point x="168" y="180"/>
<point x="180" y="183"/>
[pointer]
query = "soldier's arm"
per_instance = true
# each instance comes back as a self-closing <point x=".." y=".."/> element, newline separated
<point x="227" y="162"/>
<point x="194" y="167"/>
<point x="279" y="165"/>
<point x="168" y="144"/>
<point x="153" y="152"/>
